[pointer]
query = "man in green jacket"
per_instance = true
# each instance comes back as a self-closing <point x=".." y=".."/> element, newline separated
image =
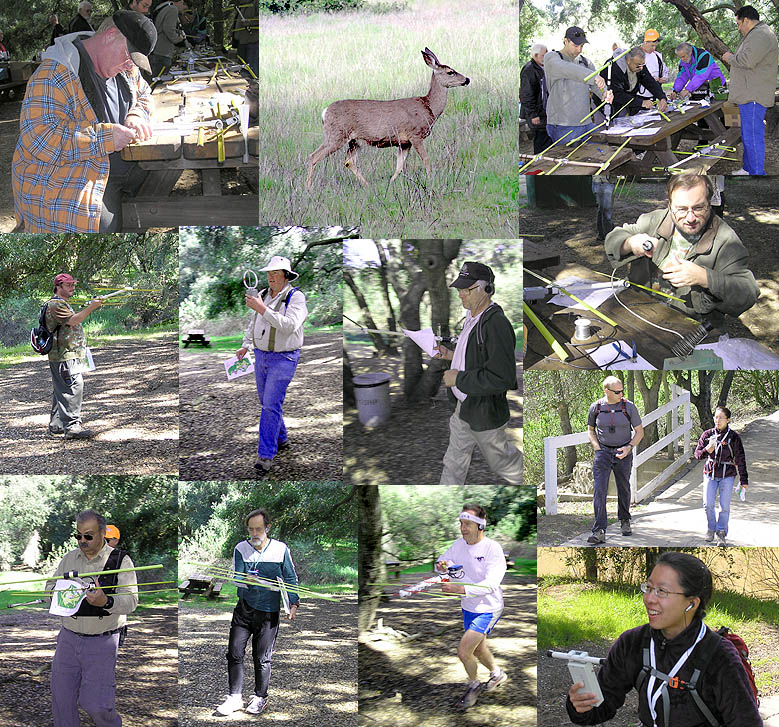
<point x="688" y="251"/>
<point x="483" y="369"/>
<point x="752" y="84"/>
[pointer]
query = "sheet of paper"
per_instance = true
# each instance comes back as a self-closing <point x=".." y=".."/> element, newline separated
<point x="425" y="339"/>
<point x="66" y="597"/>
<point x="235" y="367"/>
<point x="604" y="356"/>
<point x="643" y="131"/>
<point x="592" y="293"/>
<point x="743" y="353"/>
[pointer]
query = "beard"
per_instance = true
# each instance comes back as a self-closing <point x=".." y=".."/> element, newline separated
<point x="694" y="237"/>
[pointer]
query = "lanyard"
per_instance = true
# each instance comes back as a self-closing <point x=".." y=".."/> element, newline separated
<point x="652" y="698"/>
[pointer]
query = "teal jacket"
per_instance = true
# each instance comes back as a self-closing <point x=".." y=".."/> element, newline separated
<point x="490" y="371"/>
<point x="272" y="561"/>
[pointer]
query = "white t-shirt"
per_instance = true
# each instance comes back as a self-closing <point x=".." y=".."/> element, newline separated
<point x="458" y="360"/>
<point x="485" y="564"/>
<point x="652" y="61"/>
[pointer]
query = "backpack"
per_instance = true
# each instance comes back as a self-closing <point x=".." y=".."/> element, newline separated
<point x="624" y="411"/>
<point x="41" y="338"/>
<point x="700" y="658"/>
<point x="107" y="581"/>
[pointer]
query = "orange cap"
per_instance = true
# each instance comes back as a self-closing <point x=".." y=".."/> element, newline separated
<point x="651" y="35"/>
<point x="111" y="531"/>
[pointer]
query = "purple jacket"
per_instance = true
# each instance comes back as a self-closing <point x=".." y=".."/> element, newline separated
<point x="702" y="68"/>
<point x="727" y="457"/>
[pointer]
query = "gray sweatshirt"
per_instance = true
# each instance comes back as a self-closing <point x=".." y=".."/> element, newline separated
<point x="569" y="94"/>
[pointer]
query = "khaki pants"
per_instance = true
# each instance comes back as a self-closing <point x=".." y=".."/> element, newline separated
<point x="502" y="457"/>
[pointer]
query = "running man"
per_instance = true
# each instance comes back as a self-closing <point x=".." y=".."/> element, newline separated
<point x="483" y="564"/>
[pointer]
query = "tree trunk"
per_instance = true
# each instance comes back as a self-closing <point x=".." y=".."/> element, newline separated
<point x="349" y="397"/>
<point x="565" y="420"/>
<point x="371" y="565"/>
<point x="651" y="395"/>
<point x="590" y="564"/>
<point x="218" y="19"/>
<point x="391" y="322"/>
<point x="631" y="386"/>
<point x="708" y="38"/>
<point x="722" y="399"/>
<point x="378" y="342"/>
<point x="409" y="318"/>
<point x="701" y="400"/>
<point x="434" y="258"/>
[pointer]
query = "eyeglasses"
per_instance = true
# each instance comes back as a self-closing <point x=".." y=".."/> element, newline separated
<point x="660" y="592"/>
<point x="616" y="391"/>
<point x="698" y="210"/>
<point x="86" y="536"/>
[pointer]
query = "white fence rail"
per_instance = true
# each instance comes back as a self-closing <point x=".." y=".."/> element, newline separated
<point x="681" y="399"/>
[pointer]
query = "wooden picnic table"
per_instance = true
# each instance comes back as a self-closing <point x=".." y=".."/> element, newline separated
<point x="535" y="256"/>
<point x="652" y="344"/>
<point x="578" y="158"/>
<point x="167" y="156"/>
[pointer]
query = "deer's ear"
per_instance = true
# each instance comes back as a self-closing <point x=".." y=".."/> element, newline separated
<point x="430" y="58"/>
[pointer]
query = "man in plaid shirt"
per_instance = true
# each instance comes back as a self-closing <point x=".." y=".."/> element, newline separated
<point x="84" y="104"/>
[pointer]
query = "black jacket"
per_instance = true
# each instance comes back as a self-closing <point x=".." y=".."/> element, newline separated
<point x="532" y="92"/>
<point x="723" y="686"/>
<point x="624" y="93"/>
<point x="490" y="371"/>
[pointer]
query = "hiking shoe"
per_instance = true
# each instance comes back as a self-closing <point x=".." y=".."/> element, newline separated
<point x="721" y="538"/>
<point x="626" y="527"/>
<point x="709" y="536"/>
<point x="263" y="465"/>
<point x="495" y="681"/>
<point x="79" y="433"/>
<point x="232" y="703"/>
<point x="256" y="705"/>
<point x="599" y="536"/>
<point x="56" y="430"/>
<point x="471" y="695"/>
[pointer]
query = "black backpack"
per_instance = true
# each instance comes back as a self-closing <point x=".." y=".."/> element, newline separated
<point x="41" y="338"/>
<point x="108" y="581"/>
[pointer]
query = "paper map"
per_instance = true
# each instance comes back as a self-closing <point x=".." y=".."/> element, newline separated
<point x="235" y="367"/>
<point x="66" y="597"/>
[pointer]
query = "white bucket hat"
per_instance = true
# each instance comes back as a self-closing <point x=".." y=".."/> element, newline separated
<point x="280" y="263"/>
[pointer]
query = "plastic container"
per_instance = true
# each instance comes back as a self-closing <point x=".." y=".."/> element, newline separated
<point x="372" y="394"/>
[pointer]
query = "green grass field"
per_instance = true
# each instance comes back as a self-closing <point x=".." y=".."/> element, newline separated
<point x="310" y="61"/>
<point x="230" y="344"/>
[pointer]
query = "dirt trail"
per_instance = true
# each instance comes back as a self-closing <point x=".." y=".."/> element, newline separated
<point x="131" y="400"/>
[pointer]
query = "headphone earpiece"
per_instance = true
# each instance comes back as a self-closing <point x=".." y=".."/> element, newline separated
<point x="689" y="607"/>
<point x="481" y="527"/>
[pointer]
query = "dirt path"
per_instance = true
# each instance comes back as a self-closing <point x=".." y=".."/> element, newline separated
<point x="131" y="400"/>
<point x="314" y="668"/>
<point x="751" y="209"/>
<point x="409" y="683"/>
<point x="219" y="418"/>
<point x="410" y="447"/>
<point x="146" y="669"/>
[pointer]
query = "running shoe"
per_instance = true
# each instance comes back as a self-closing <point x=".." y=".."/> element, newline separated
<point x="232" y="703"/>
<point x="256" y="704"/>
<point x="471" y="695"/>
<point x="495" y="681"/>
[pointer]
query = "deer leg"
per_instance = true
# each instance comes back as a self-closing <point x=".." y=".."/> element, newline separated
<point x="325" y="150"/>
<point x="420" y="149"/>
<point x="352" y="163"/>
<point x="402" y="154"/>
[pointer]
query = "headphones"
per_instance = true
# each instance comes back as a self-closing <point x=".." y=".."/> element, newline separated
<point x="689" y="607"/>
<point x="489" y="289"/>
<point x="481" y="527"/>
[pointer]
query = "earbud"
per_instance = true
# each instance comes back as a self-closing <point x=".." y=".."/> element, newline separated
<point x="689" y="607"/>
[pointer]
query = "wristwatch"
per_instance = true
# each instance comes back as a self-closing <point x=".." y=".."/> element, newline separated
<point x="109" y="604"/>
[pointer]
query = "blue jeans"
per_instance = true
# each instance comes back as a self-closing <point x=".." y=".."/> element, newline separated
<point x="725" y="487"/>
<point x="605" y="461"/>
<point x="273" y="370"/>
<point x="556" y="131"/>
<point x="753" y="136"/>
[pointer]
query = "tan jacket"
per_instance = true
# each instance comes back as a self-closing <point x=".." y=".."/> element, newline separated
<point x="754" y="66"/>
<point x="280" y="325"/>
<point x="125" y="599"/>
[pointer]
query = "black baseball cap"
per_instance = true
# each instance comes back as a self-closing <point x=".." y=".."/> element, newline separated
<point x="576" y="35"/>
<point x="140" y="33"/>
<point x="471" y="273"/>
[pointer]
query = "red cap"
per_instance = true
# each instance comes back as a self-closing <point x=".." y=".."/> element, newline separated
<point x="64" y="278"/>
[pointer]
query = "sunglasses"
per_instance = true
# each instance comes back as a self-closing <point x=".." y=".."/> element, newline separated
<point x="86" y="536"/>
<point x="616" y="391"/>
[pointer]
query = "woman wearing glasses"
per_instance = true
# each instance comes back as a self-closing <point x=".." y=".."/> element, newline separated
<point x="664" y="658"/>
<point x="723" y="451"/>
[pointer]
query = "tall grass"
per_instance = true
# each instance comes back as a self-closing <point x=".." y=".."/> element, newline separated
<point x="311" y="61"/>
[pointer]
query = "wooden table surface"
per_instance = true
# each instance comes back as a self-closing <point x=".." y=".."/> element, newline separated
<point x="166" y="157"/>
<point x="593" y="155"/>
<point x="535" y="256"/>
<point x="651" y="343"/>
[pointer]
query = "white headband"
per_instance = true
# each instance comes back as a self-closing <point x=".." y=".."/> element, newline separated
<point x="468" y="516"/>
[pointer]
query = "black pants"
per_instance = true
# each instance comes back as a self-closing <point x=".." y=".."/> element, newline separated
<point x="541" y="139"/>
<point x="262" y="627"/>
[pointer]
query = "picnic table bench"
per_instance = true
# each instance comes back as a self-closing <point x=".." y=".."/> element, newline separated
<point x="196" y="335"/>
<point x="199" y="583"/>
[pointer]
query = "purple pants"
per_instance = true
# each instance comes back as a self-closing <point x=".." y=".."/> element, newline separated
<point x="83" y="674"/>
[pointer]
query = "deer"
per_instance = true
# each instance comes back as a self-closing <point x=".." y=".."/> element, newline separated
<point x="404" y="122"/>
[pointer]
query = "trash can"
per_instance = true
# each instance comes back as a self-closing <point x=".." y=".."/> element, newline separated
<point x="372" y="394"/>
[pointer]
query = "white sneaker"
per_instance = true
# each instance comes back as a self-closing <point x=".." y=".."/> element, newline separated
<point x="232" y="703"/>
<point x="739" y="173"/>
<point x="495" y="680"/>
<point x="256" y="704"/>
